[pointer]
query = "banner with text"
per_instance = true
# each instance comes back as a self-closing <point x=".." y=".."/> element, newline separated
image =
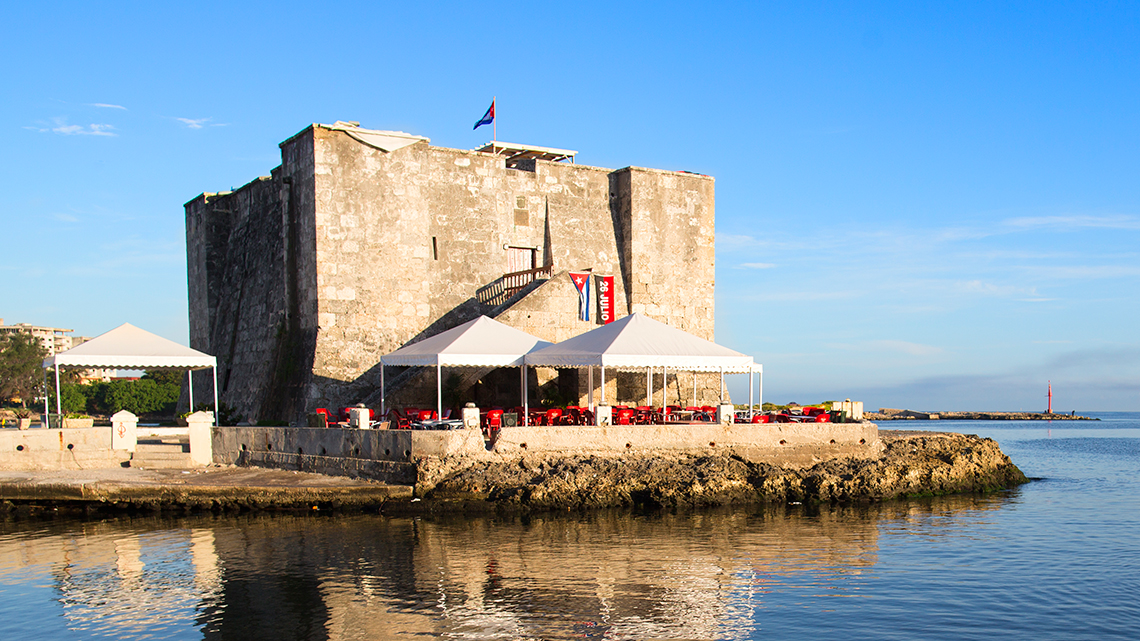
<point x="605" y="299"/>
<point x="581" y="282"/>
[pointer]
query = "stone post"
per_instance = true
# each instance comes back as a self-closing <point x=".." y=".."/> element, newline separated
<point x="201" y="437"/>
<point x="470" y="417"/>
<point x="605" y="415"/>
<point x="359" y="417"/>
<point x="725" y="414"/>
<point x="124" y="431"/>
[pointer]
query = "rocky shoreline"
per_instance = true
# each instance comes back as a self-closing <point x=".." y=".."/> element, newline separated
<point x="912" y="464"/>
<point x="905" y="464"/>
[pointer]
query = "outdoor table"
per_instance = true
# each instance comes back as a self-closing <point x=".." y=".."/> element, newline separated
<point x="439" y="424"/>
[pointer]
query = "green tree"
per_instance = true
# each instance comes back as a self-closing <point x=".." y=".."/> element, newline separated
<point x="21" y="367"/>
<point x="174" y="377"/>
<point x="143" y="396"/>
<point x="73" y="397"/>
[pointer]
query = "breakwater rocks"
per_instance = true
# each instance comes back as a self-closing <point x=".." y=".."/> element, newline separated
<point x="911" y="415"/>
<point x="912" y="464"/>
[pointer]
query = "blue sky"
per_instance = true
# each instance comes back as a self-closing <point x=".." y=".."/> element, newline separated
<point x="923" y="205"/>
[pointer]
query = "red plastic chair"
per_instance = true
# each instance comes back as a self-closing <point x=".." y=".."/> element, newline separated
<point x="398" y="421"/>
<point x="551" y="416"/>
<point x="624" y="417"/>
<point x="823" y="417"/>
<point x="493" y="420"/>
<point x="587" y="418"/>
<point x="428" y="415"/>
<point x="761" y="418"/>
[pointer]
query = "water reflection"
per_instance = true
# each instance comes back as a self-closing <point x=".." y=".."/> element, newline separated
<point x="613" y="574"/>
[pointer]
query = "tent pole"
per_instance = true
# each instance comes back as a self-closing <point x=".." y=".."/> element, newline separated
<point x="58" y="404"/>
<point x="190" y="377"/>
<point x="46" y="411"/>
<point x="694" y="388"/>
<point x="649" y="386"/>
<point x="603" y="368"/>
<point x="217" y="410"/>
<point x="761" y="399"/>
<point x="383" y="407"/>
<point x="525" y="400"/>
<point x="750" y="410"/>
<point x="722" y="386"/>
<point x="438" y="391"/>
<point x="590" y="384"/>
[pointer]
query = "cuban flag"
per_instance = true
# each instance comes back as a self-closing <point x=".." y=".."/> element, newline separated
<point x="582" y="283"/>
<point x="487" y="118"/>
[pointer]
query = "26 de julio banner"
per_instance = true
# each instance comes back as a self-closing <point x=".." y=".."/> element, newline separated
<point x="605" y="298"/>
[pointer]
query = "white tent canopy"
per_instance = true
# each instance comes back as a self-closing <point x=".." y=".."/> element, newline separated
<point x="483" y="342"/>
<point x="638" y="342"/>
<point x="128" y="347"/>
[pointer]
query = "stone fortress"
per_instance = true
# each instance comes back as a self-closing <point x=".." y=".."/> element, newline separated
<point x="363" y="241"/>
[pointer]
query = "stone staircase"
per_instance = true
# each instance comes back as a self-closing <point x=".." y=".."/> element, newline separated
<point x="164" y="453"/>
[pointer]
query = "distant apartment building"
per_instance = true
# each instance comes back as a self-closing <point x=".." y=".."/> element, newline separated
<point x="56" y="340"/>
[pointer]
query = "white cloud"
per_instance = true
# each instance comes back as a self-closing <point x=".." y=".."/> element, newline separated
<point x="198" y="123"/>
<point x="1084" y="271"/>
<point x="756" y="265"/>
<point x="1075" y="222"/>
<point x="801" y="296"/>
<point x="901" y="347"/>
<point x="734" y="240"/>
<point x="105" y="105"/>
<point x="193" y="123"/>
<point x="60" y="126"/>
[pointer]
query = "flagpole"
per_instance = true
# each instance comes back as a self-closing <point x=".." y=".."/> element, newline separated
<point x="494" y="123"/>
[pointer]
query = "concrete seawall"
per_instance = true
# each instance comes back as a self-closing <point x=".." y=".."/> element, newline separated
<point x="70" y="448"/>
<point x="421" y="457"/>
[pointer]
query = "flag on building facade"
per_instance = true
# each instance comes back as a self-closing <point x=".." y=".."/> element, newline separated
<point x="487" y="118"/>
<point x="581" y="281"/>
<point x="605" y="299"/>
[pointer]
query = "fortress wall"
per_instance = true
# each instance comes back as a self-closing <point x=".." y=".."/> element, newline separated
<point x="672" y="252"/>
<point x="299" y="282"/>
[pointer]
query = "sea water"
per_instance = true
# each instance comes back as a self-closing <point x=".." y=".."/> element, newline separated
<point x="1054" y="559"/>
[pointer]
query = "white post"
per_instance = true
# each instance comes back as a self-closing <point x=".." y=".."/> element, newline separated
<point x="722" y="386"/>
<point x="58" y="403"/>
<point x="438" y="390"/>
<point x="383" y="407"/>
<point x="525" y="399"/>
<point x="750" y="410"/>
<point x="190" y="377"/>
<point x="603" y="368"/>
<point x="694" y="388"/>
<point x="590" y="384"/>
<point x="217" y="410"/>
<point x="760" y="400"/>
<point x="124" y="431"/>
<point x="649" y="386"/>
<point x="201" y="439"/>
<point x="46" y="411"/>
